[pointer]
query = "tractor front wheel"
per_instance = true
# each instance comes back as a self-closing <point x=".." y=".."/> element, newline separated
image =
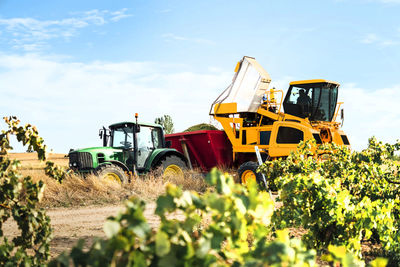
<point x="248" y="171"/>
<point x="172" y="166"/>
<point x="111" y="172"/>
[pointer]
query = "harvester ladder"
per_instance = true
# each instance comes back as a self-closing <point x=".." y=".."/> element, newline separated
<point x="260" y="162"/>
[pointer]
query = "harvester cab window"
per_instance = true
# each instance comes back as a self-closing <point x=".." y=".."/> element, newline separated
<point x="324" y="102"/>
<point x="316" y="101"/>
<point x="289" y="135"/>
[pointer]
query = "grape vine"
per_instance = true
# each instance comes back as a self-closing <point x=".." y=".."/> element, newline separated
<point x="340" y="197"/>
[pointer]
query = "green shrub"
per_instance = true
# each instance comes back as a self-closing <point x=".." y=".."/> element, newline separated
<point x="343" y="199"/>
<point x="200" y="127"/>
<point x="226" y="227"/>
<point x="19" y="197"/>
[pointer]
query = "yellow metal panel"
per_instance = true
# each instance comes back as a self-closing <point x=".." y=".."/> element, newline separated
<point x="279" y="150"/>
<point x="268" y="114"/>
<point x="238" y="66"/>
<point x="252" y="135"/>
<point x="336" y="138"/>
<point x="313" y="81"/>
<point x="225" y="108"/>
<point x="229" y="130"/>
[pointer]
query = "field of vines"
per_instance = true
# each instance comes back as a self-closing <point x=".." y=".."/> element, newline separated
<point x="345" y="203"/>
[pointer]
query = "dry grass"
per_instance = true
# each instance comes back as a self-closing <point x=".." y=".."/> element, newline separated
<point x="29" y="161"/>
<point x="80" y="191"/>
<point x="151" y="185"/>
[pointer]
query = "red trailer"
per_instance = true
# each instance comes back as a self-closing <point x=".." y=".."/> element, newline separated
<point x="205" y="149"/>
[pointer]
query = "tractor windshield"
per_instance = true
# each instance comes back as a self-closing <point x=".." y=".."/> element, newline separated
<point x="122" y="137"/>
<point x="316" y="101"/>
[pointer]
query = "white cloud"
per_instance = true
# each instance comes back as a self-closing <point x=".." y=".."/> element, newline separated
<point x="381" y="42"/>
<point x="70" y="101"/>
<point x="33" y="34"/>
<point x="371" y="113"/>
<point x="172" y="37"/>
<point x="387" y="2"/>
<point x="390" y="1"/>
<point x="167" y="10"/>
<point x="118" y="15"/>
<point x="370" y="38"/>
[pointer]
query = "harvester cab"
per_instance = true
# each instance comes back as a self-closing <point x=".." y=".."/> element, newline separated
<point x="128" y="149"/>
<point x="251" y="115"/>
<point x="312" y="99"/>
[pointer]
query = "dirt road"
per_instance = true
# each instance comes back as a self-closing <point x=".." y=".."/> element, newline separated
<point x="71" y="224"/>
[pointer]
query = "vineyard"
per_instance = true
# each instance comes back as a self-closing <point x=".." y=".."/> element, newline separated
<point x="345" y="203"/>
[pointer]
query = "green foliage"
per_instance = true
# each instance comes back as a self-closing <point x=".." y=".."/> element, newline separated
<point x="18" y="200"/>
<point x="56" y="172"/>
<point x="201" y="126"/>
<point x="342" y="199"/>
<point x="229" y="226"/>
<point x="27" y="135"/>
<point x="167" y="123"/>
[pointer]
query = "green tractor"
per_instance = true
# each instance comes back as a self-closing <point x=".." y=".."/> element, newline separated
<point x="128" y="149"/>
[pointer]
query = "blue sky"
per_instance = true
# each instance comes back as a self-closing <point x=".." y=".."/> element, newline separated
<point x="70" y="67"/>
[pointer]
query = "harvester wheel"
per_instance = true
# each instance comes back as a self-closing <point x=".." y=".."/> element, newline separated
<point x="172" y="166"/>
<point x="111" y="172"/>
<point x="247" y="172"/>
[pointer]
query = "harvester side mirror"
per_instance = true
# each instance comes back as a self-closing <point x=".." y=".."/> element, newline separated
<point x="101" y="133"/>
<point x="342" y="115"/>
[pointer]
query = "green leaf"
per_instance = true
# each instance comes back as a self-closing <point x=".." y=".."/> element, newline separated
<point x="163" y="245"/>
<point x="379" y="262"/>
<point x="111" y="228"/>
<point x="165" y="204"/>
<point x="203" y="248"/>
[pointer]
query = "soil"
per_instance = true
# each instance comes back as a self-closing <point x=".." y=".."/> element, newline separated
<point x="71" y="224"/>
<point x="74" y="223"/>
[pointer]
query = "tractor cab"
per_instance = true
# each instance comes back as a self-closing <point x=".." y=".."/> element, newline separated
<point x="137" y="141"/>
<point x="312" y="99"/>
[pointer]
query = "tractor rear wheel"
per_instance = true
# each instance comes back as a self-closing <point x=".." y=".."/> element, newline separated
<point x="172" y="166"/>
<point x="111" y="172"/>
<point x="248" y="171"/>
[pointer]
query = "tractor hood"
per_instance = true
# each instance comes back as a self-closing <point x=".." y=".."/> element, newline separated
<point x="97" y="149"/>
<point x="91" y="157"/>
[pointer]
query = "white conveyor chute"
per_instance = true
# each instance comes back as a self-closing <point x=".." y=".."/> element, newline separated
<point x="248" y="87"/>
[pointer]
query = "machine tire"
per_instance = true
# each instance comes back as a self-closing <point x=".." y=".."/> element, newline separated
<point x="111" y="172"/>
<point x="172" y="166"/>
<point x="248" y="171"/>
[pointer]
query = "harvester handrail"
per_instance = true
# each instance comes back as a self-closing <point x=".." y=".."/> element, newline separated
<point x="337" y="110"/>
<point x="271" y="102"/>
<point x="218" y="100"/>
